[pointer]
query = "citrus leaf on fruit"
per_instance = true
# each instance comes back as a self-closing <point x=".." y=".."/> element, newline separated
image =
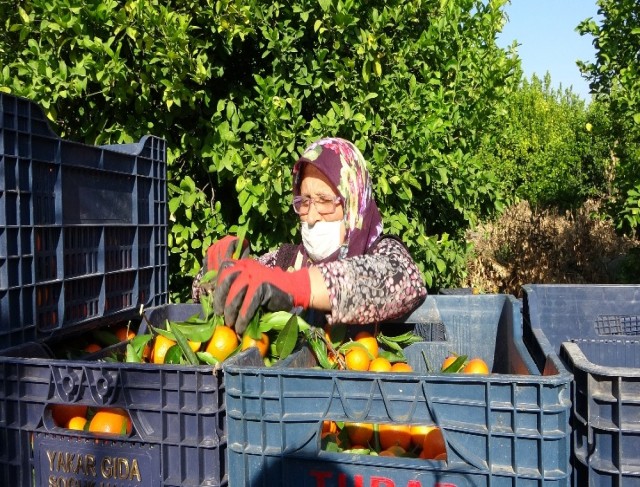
<point x="184" y="346"/>
<point x="351" y="345"/>
<point x="277" y="320"/>
<point x="173" y="355"/>
<point x="320" y="350"/>
<point x="287" y="338"/>
<point x="456" y="365"/>
<point x="389" y="344"/>
<point x="405" y="339"/>
<point x="253" y="330"/>
<point x="196" y="330"/>
<point x="139" y="342"/>
<point x="132" y="356"/>
<point x="392" y="357"/>
<point x="338" y="333"/>
<point x="207" y="358"/>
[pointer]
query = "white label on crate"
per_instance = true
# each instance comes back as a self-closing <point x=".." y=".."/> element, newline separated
<point x="68" y="461"/>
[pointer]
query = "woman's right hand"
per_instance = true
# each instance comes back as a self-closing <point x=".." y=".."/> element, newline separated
<point x="222" y="250"/>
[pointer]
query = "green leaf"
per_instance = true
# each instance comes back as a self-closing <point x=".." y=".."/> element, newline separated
<point x="287" y="338"/>
<point x="182" y="343"/>
<point x="207" y="358"/>
<point x="195" y="330"/>
<point x="456" y="365"/>
<point x="132" y="356"/>
<point x="173" y="355"/>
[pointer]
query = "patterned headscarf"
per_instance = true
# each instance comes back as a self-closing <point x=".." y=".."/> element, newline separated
<point x="345" y="167"/>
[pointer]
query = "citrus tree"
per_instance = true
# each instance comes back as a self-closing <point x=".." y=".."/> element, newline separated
<point x="552" y="153"/>
<point x="615" y="81"/>
<point x="239" y="88"/>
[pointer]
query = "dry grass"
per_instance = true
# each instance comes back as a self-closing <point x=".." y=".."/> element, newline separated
<point x="525" y="246"/>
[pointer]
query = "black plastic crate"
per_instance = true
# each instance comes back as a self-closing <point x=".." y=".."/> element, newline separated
<point x="508" y="428"/>
<point x="83" y="229"/>
<point x="178" y="417"/>
<point x="557" y="313"/>
<point x="605" y="411"/>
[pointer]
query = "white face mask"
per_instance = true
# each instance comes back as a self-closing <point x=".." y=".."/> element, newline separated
<point x="322" y="239"/>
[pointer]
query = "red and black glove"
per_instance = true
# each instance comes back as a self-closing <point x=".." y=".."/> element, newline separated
<point x="245" y="285"/>
<point x="222" y="250"/>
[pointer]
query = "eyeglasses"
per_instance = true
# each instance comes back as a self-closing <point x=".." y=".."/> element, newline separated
<point x="325" y="205"/>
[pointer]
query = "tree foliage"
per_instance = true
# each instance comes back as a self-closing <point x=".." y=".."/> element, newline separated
<point x="239" y="88"/>
<point x="615" y="81"/>
<point x="550" y="153"/>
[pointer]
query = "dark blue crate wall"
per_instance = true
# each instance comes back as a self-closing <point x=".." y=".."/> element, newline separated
<point x="83" y="229"/>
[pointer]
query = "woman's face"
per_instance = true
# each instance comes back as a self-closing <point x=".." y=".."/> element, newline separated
<point x="315" y="185"/>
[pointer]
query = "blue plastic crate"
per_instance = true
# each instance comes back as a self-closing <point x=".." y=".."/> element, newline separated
<point x="605" y="411"/>
<point x="556" y="313"/>
<point x="83" y="229"/>
<point x="508" y="428"/>
<point x="592" y="327"/>
<point x="178" y="417"/>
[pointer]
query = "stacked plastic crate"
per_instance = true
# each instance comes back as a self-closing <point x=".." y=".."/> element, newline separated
<point x="83" y="244"/>
<point x="595" y="330"/>
<point x="507" y="428"/>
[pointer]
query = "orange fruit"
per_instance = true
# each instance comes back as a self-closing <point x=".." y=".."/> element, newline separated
<point x="419" y="432"/>
<point x="329" y="427"/>
<point x="359" y="433"/>
<point x="113" y="421"/>
<point x="394" y="435"/>
<point x="393" y="451"/>
<point x="77" y="423"/>
<point x="92" y="348"/>
<point x="476" y="366"/>
<point x="369" y="342"/>
<point x="442" y="457"/>
<point x="161" y="344"/>
<point x="223" y="342"/>
<point x="123" y="333"/>
<point x="448" y="361"/>
<point x="62" y="413"/>
<point x="195" y="346"/>
<point x="357" y="359"/>
<point x="433" y="444"/>
<point x="146" y="352"/>
<point x="401" y="367"/>
<point x="262" y="345"/>
<point x="380" y="364"/>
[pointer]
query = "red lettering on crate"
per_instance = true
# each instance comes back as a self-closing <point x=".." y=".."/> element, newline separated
<point x="321" y="478"/>
<point x="324" y="479"/>
<point x="382" y="482"/>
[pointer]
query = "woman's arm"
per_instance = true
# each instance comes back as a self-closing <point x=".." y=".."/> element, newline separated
<point x="379" y="286"/>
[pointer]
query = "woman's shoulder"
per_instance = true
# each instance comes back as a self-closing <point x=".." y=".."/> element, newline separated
<point x="388" y="244"/>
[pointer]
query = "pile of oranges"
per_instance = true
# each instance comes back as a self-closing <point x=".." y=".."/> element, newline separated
<point x="460" y="363"/>
<point x="108" y="421"/>
<point x="366" y="351"/>
<point x="163" y="347"/>
<point x="385" y="440"/>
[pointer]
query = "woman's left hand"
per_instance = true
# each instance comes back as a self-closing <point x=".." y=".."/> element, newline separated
<point x="245" y="285"/>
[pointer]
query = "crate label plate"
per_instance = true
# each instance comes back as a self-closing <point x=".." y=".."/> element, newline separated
<point x="76" y="461"/>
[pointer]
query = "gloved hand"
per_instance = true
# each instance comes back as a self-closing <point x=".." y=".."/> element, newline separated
<point x="222" y="250"/>
<point x="244" y="285"/>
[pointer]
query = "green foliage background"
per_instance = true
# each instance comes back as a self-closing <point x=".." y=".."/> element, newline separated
<point x="615" y="81"/>
<point x="239" y="88"/>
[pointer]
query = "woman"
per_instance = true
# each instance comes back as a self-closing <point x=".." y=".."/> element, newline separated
<point x="345" y="268"/>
